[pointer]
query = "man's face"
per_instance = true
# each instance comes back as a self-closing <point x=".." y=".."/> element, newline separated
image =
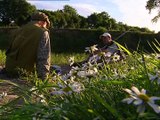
<point x="106" y="39"/>
<point x="45" y="24"/>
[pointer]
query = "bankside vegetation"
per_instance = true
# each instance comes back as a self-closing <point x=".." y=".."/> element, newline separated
<point x="126" y="89"/>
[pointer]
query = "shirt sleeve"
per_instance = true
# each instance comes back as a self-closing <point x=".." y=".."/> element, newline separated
<point x="43" y="56"/>
<point x="113" y="48"/>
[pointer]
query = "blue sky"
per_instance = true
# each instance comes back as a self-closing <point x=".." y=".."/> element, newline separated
<point x="130" y="12"/>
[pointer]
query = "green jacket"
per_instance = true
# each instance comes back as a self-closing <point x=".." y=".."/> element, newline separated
<point x="22" y="53"/>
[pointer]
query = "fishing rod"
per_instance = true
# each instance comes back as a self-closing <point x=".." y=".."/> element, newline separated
<point x="122" y="34"/>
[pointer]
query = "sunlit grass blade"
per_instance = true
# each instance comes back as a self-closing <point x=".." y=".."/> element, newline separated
<point x="151" y="47"/>
<point x="123" y="48"/>
<point x="138" y="45"/>
<point x="156" y="46"/>
<point x="2" y="57"/>
<point x="9" y="82"/>
<point x="24" y="92"/>
<point x="157" y="42"/>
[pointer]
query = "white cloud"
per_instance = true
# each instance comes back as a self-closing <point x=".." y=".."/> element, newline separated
<point x="47" y="5"/>
<point x="134" y="13"/>
<point x="82" y="8"/>
<point x="85" y="9"/>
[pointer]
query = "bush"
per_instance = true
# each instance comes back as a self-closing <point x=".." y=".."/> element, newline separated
<point x="75" y="40"/>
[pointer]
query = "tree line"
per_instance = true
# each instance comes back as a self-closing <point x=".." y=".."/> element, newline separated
<point x="17" y="12"/>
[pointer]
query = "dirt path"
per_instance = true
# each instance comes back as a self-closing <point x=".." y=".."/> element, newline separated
<point x="6" y="87"/>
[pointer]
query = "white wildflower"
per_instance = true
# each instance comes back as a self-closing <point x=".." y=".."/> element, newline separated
<point x="108" y="54"/>
<point x="91" y="49"/>
<point x="33" y="88"/>
<point x="68" y="89"/>
<point x="41" y="99"/>
<point x="116" y="57"/>
<point x="77" y="87"/>
<point x="98" y="57"/>
<point x="82" y="73"/>
<point x="71" y="60"/>
<point x="155" y="77"/>
<point x="72" y="78"/>
<point x="65" y="77"/>
<point x="36" y="97"/>
<point x="3" y="95"/>
<point x="140" y="98"/>
<point x="92" y="72"/>
<point x="57" y="92"/>
<point x="73" y="69"/>
<point x="86" y="65"/>
<point x="94" y="58"/>
<point x="157" y="56"/>
<point x="147" y="56"/>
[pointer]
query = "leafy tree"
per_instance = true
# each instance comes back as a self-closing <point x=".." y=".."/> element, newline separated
<point x="18" y="11"/>
<point x="70" y="10"/>
<point x="71" y="16"/>
<point x="154" y="4"/>
<point x="83" y="22"/>
<point x="92" y="20"/>
<point x="56" y="18"/>
<point x="144" y="29"/>
<point x="102" y="19"/>
<point x="65" y="18"/>
<point x="112" y="24"/>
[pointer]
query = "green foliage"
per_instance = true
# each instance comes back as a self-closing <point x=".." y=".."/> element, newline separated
<point x="2" y="58"/>
<point x="71" y="40"/>
<point x="101" y="98"/>
<point x="69" y="18"/>
<point x="17" y="11"/>
<point x="134" y="39"/>
<point x="102" y="19"/>
<point x="151" y="5"/>
<point x="75" y="40"/>
<point x="66" y="18"/>
<point x="62" y="58"/>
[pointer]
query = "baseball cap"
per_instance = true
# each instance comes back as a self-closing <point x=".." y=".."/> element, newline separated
<point x="105" y="35"/>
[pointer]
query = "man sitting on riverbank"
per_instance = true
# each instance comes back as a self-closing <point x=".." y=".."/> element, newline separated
<point x="103" y="54"/>
<point x="30" y="48"/>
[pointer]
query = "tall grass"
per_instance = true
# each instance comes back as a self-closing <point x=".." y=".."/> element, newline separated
<point x="94" y="97"/>
<point x="62" y="58"/>
<point x="56" y="59"/>
<point x="2" y="58"/>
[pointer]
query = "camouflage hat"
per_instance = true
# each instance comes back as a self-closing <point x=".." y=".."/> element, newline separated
<point x="40" y="16"/>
